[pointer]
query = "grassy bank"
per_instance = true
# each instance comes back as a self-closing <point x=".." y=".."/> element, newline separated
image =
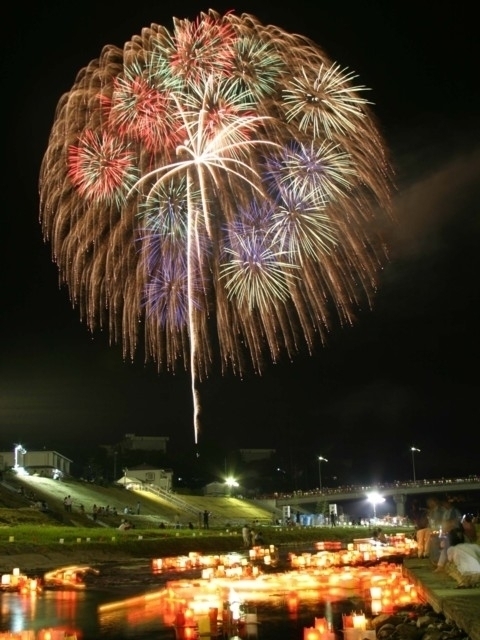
<point x="140" y="542"/>
<point x="25" y="529"/>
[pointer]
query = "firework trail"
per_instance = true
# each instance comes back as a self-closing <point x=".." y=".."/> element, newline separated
<point x="216" y="192"/>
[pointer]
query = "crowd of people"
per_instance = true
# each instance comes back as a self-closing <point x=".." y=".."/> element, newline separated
<point x="449" y="539"/>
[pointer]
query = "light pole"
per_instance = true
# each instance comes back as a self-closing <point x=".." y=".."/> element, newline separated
<point x="19" y="449"/>
<point x="320" y="460"/>
<point x="375" y="498"/>
<point x="414" y="450"/>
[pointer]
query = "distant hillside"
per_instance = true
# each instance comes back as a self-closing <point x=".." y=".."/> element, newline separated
<point x="142" y="507"/>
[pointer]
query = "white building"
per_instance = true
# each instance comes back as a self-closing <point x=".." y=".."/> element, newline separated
<point x="45" y="462"/>
<point x="145" y="474"/>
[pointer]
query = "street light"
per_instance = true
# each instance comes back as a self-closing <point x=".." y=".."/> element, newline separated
<point x="231" y="484"/>
<point x="19" y="449"/>
<point x="375" y="498"/>
<point x="414" y="450"/>
<point x="320" y="460"/>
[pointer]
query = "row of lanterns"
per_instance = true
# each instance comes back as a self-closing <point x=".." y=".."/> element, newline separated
<point x="58" y="633"/>
<point x="195" y="560"/>
<point x="354" y="628"/>
<point x="357" y="552"/>
<point x="16" y="581"/>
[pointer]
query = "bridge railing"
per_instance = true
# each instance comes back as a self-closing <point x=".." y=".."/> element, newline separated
<point x="353" y="491"/>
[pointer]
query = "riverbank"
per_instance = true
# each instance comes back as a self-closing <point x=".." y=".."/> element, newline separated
<point x="40" y="562"/>
<point x="441" y="591"/>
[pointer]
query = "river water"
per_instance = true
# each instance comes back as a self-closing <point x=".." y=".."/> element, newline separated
<point x="56" y="615"/>
<point x="131" y="602"/>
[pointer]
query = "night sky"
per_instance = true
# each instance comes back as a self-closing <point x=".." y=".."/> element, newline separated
<point x="405" y="374"/>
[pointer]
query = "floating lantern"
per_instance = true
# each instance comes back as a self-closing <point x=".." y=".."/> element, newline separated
<point x="376" y="606"/>
<point x="292" y="602"/>
<point x="251" y="625"/>
<point x="347" y="621"/>
<point x="359" y="621"/>
<point x="203" y="625"/>
<point x="376" y="592"/>
<point x="321" y="624"/>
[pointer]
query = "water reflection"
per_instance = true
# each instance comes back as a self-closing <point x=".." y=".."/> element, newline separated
<point x="277" y="605"/>
<point x="49" y="615"/>
<point x="94" y="615"/>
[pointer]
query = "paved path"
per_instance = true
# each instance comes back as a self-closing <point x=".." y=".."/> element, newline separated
<point x="441" y="592"/>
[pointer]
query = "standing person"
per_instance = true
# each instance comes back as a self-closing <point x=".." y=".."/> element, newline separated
<point x="246" y="536"/>
<point x="469" y="528"/>
<point x="205" y="519"/>
<point x="435" y="515"/>
<point x="138" y="508"/>
<point x="423" y="531"/>
<point x="451" y="520"/>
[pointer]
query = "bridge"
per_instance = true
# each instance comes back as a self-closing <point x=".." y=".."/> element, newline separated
<point x="398" y="491"/>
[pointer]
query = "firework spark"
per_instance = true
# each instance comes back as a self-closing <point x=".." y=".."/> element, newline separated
<point x="220" y="185"/>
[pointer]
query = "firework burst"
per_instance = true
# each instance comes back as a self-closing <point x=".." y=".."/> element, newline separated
<point x="220" y="186"/>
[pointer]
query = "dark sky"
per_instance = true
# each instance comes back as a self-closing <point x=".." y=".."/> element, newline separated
<point x="406" y="373"/>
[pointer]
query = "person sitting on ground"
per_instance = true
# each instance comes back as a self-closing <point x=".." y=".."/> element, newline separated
<point x="423" y="531"/>
<point x="379" y="536"/>
<point x="258" y="538"/>
<point x="451" y="520"/>
<point x="463" y="559"/>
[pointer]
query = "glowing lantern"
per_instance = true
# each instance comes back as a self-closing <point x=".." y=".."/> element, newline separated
<point x="359" y="621"/>
<point x="321" y="624"/>
<point x="347" y="621"/>
<point x="376" y="606"/>
<point x="310" y="633"/>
